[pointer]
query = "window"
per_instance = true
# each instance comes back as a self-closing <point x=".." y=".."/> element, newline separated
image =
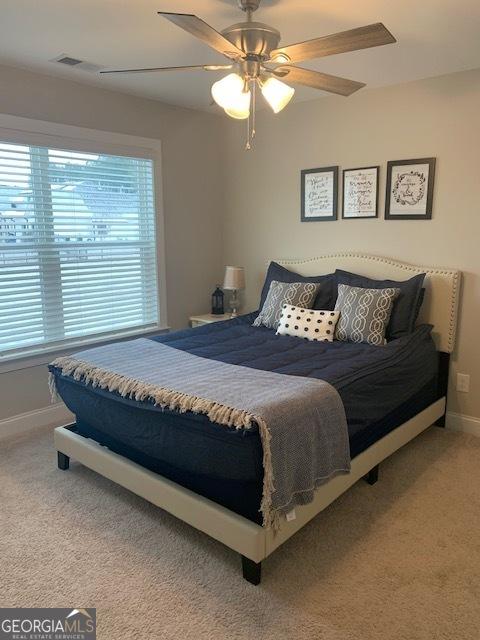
<point x="77" y="247"/>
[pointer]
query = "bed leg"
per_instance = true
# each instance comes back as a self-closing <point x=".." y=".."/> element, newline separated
<point x="63" y="461"/>
<point x="372" y="475"/>
<point x="252" y="571"/>
<point x="443" y="371"/>
<point x="441" y="421"/>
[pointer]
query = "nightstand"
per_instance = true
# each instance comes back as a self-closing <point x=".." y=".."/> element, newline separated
<point x="198" y="321"/>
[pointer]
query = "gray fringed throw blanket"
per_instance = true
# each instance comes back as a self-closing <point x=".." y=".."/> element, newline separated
<point x="301" y="420"/>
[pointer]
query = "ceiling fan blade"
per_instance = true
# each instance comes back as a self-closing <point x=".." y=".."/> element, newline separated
<point x="205" y="32"/>
<point x="373" y="35"/>
<point x="195" y="67"/>
<point x="317" y="80"/>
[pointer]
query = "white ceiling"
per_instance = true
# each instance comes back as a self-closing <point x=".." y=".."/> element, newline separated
<point x="434" y="37"/>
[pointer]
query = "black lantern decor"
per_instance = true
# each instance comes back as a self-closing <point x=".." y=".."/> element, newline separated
<point x="217" y="302"/>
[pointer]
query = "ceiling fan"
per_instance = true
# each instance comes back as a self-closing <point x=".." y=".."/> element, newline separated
<point x="253" y="51"/>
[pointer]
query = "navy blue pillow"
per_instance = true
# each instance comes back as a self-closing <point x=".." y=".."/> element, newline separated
<point x="421" y="298"/>
<point x="327" y="293"/>
<point x="405" y="308"/>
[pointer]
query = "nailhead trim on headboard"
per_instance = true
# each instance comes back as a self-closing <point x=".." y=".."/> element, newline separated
<point x="452" y="276"/>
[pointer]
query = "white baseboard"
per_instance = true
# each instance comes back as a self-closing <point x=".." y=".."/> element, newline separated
<point x="52" y="416"/>
<point x="460" y="422"/>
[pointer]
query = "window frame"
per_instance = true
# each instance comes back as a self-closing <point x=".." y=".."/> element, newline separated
<point x="19" y="130"/>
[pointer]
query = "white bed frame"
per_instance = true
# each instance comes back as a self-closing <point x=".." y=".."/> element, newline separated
<point x="251" y="540"/>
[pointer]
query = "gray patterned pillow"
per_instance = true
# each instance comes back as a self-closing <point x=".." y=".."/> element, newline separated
<point x="364" y="313"/>
<point x="297" y="294"/>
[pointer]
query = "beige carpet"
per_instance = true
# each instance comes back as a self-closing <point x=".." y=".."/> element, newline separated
<point x="397" y="560"/>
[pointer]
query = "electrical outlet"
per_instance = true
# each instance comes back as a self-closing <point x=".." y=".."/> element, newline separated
<point x="463" y="382"/>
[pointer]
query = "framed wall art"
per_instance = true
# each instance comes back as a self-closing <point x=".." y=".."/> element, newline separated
<point x="409" y="194"/>
<point x="319" y="192"/>
<point x="360" y="193"/>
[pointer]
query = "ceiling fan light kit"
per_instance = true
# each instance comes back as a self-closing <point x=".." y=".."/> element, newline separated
<point x="253" y="51"/>
<point x="233" y="94"/>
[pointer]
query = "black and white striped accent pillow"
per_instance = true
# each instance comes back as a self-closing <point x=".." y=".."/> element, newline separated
<point x="292" y="293"/>
<point x="305" y="323"/>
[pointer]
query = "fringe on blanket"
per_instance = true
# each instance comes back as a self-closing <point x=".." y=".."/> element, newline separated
<point x="177" y="401"/>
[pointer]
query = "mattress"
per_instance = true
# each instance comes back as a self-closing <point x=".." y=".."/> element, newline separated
<point x="381" y="387"/>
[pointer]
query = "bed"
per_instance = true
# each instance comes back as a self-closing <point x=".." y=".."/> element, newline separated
<point x="210" y="476"/>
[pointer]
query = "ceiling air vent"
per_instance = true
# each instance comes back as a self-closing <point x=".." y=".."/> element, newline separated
<point x="69" y="61"/>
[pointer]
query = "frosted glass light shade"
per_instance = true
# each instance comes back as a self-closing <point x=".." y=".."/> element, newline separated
<point x="229" y="94"/>
<point x="227" y="89"/>
<point x="277" y="94"/>
<point x="238" y="114"/>
<point x="241" y="109"/>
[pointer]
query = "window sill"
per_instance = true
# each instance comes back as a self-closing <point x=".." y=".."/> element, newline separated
<point x="27" y="361"/>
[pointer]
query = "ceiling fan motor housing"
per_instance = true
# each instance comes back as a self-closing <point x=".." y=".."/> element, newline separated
<point x="256" y="39"/>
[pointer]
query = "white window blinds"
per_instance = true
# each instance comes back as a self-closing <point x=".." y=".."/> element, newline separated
<point x="77" y="246"/>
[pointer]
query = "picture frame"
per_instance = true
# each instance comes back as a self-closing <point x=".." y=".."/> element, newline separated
<point x="409" y="190"/>
<point x="319" y="194"/>
<point x="360" y="193"/>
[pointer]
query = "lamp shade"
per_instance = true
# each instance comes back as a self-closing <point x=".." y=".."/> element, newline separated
<point x="234" y="278"/>
<point x="277" y="94"/>
<point x="227" y="89"/>
<point x="229" y="94"/>
<point x="241" y="110"/>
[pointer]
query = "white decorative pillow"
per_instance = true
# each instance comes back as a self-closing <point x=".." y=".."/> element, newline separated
<point x="306" y="323"/>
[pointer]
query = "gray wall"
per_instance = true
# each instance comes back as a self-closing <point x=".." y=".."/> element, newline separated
<point x="435" y="117"/>
<point x="249" y="202"/>
<point x="191" y="145"/>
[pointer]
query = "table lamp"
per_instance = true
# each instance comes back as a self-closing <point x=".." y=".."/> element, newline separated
<point x="234" y="281"/>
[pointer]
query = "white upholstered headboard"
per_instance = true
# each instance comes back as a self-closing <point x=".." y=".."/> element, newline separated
<point x="442" y="286"/>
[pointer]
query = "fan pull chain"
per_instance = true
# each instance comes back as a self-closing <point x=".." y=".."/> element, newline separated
<point x="251" y="118"/>
<point x="254" y="108"/>
<point x="249" y="128"/>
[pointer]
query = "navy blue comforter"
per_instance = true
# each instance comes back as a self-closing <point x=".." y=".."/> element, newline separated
<point x="380" y="387"/>
<point x="371" y="380"/>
